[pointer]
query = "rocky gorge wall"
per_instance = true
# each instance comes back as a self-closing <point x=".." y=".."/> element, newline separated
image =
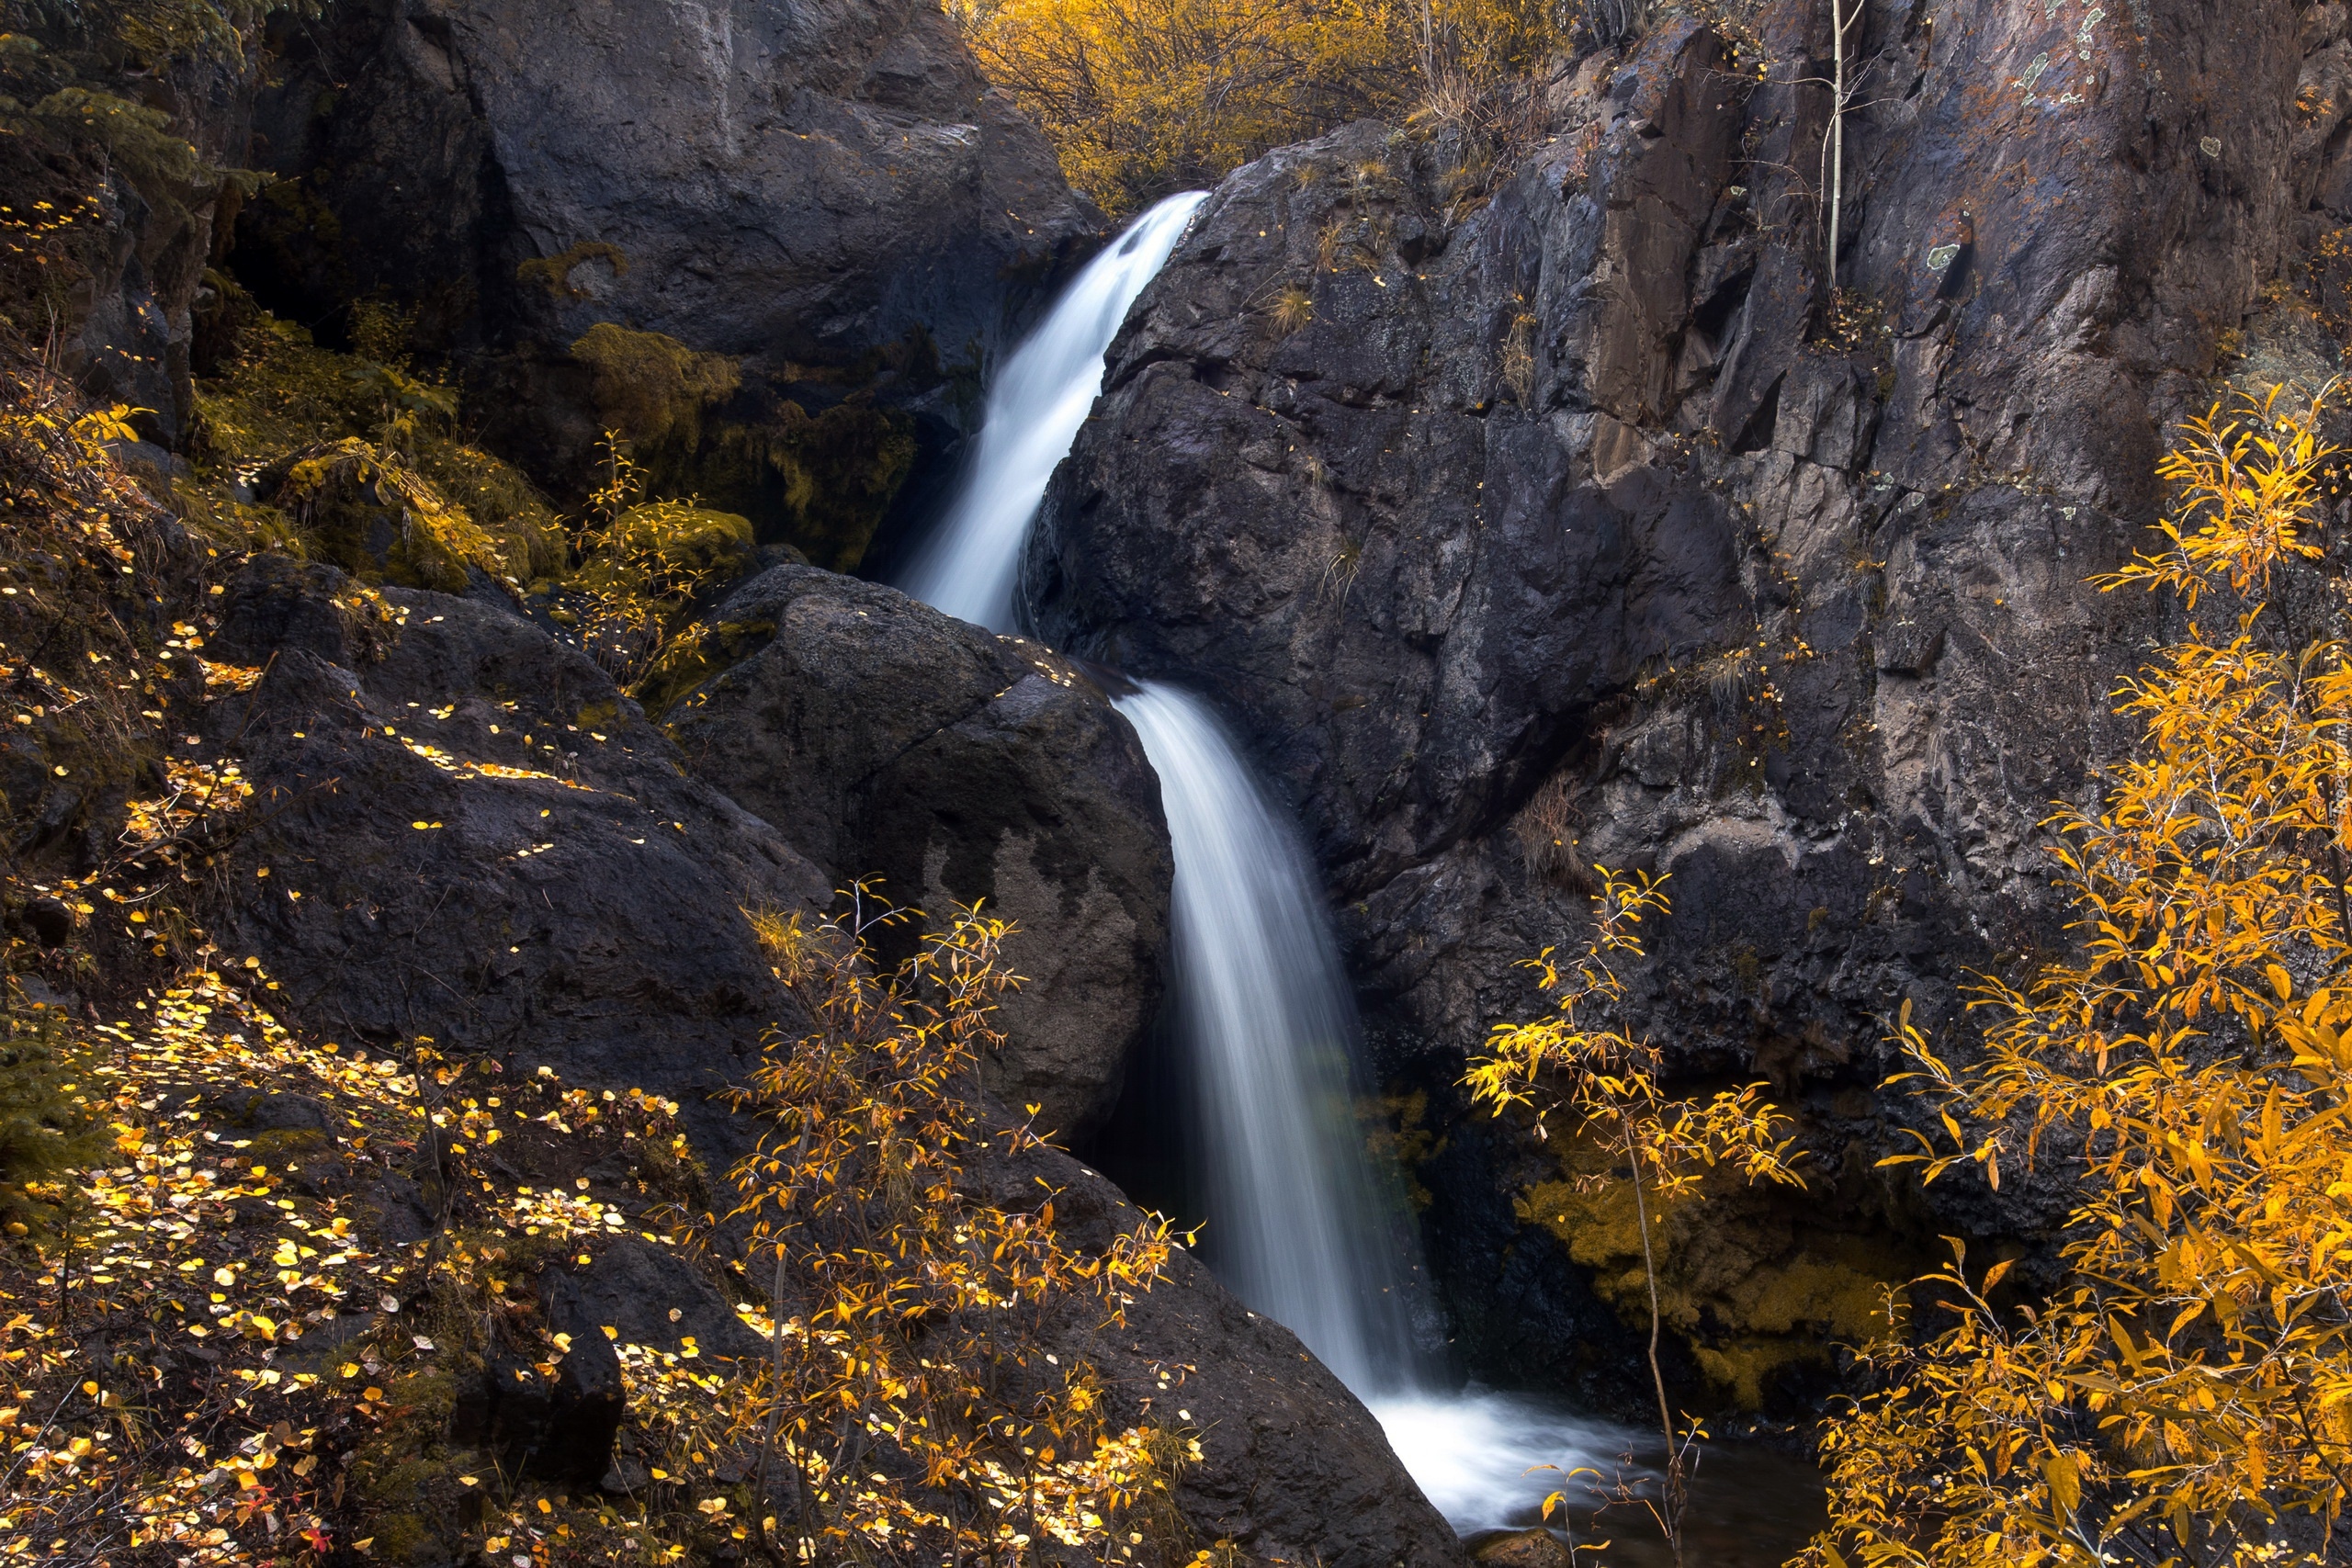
<point x="1572" y="517"/>
<point x="797" y="235"/>
<point x="830" y="200"/>
<point x="1519" y="518"/>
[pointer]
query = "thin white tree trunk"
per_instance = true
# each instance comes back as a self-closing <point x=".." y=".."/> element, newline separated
<point x="1838" y="18"/>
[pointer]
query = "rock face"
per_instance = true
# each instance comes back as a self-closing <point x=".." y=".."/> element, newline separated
<point x="1576" y="521"/>
<point x="460" y="829"/>
<point x="887" y="739"/>
<point x="808" y="186"/>
<point x="118" y="284"/>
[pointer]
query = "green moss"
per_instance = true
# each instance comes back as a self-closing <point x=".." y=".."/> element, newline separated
<point x="505" y="506"/>
<point x="404" y="1480"/>
<point x="334" y="471"/>
<point x="654" y="389"/>
<point x="404" y="1537"/>
<point x="286" y="1145"/>
<point x="672" y="548"/>
<point x="45" y="1125"/>
<point x="821" y="482"/>
<point x="372" y="514"/>
<point x="1751" y="1281"/>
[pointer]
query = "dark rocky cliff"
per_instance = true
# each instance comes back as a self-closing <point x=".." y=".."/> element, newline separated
<point x="1577" y="520"/>
<point x="830" y="198"/>
<point x="795" y="185"/>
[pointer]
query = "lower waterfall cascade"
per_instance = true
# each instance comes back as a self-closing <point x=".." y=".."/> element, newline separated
<point x="1296" y="1227"/>
<point x="1300" y="1225"/>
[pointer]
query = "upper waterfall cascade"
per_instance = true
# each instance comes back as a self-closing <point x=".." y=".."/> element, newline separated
<point x="969" y="565"/>
<point x="1299" y="1225"/>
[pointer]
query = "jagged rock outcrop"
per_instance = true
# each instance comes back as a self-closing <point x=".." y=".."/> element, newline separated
<point x="117" y="182"/>
<point x="887" y="739"/>
<point x="1576" y="521"/>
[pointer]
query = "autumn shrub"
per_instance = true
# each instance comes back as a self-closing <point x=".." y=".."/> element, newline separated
<point x="2184" y="1394"/>
<point x="916" y="1403"/>
<point x="1146" y="97"/>
<point x="1608" y="1087"/>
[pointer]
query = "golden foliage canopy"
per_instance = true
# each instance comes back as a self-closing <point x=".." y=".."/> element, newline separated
<point x="2185" y="1394"/>
<point x="1143" y="99"/>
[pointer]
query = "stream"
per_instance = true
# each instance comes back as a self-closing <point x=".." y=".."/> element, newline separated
<point x="1301" y="1226"/>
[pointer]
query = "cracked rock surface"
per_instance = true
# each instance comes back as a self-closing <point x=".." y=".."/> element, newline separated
<point x="1568" y="516"/>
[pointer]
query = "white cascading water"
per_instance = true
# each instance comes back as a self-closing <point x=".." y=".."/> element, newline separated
<point x="1296" y="1219"/>
<point x="970" y="563"/>
<point x="1297" y="1225"/>
<point x="1263" y="1009"/>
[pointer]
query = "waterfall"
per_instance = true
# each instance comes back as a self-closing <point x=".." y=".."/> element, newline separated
<point x="1297" y="1227"/>
<point x="969" y="564"/>
<point x="1265" y="1019"/>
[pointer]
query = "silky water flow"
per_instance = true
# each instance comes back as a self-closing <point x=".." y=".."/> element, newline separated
<point x="1303" y="1226"/>
<point x="969" y="564"/>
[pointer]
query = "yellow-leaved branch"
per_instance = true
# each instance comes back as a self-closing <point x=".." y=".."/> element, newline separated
<point x="1579" y="1063"/>
<point x="2184" y="1393"/>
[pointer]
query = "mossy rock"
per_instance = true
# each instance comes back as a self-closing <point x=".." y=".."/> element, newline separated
<point x="1752" y="1287"/>
<point x="656" y="559"/>
<point x="1521" y="1549"/>
<point x="281" y="402"/>
<point x="375" y="517"/>
<point x="677" y="540"/>
<point x="652" y="389"/>
<point x="403" y="1481"/>
<point x="283" y="1146"/>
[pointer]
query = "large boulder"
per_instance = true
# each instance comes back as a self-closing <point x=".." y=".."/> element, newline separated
<point x="887" y="740"/>
<point x="1292" y="1468"/>
<point x="771" y="181"/>
<point x="459" y="829"/>
<point x="1568" y="516"/>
